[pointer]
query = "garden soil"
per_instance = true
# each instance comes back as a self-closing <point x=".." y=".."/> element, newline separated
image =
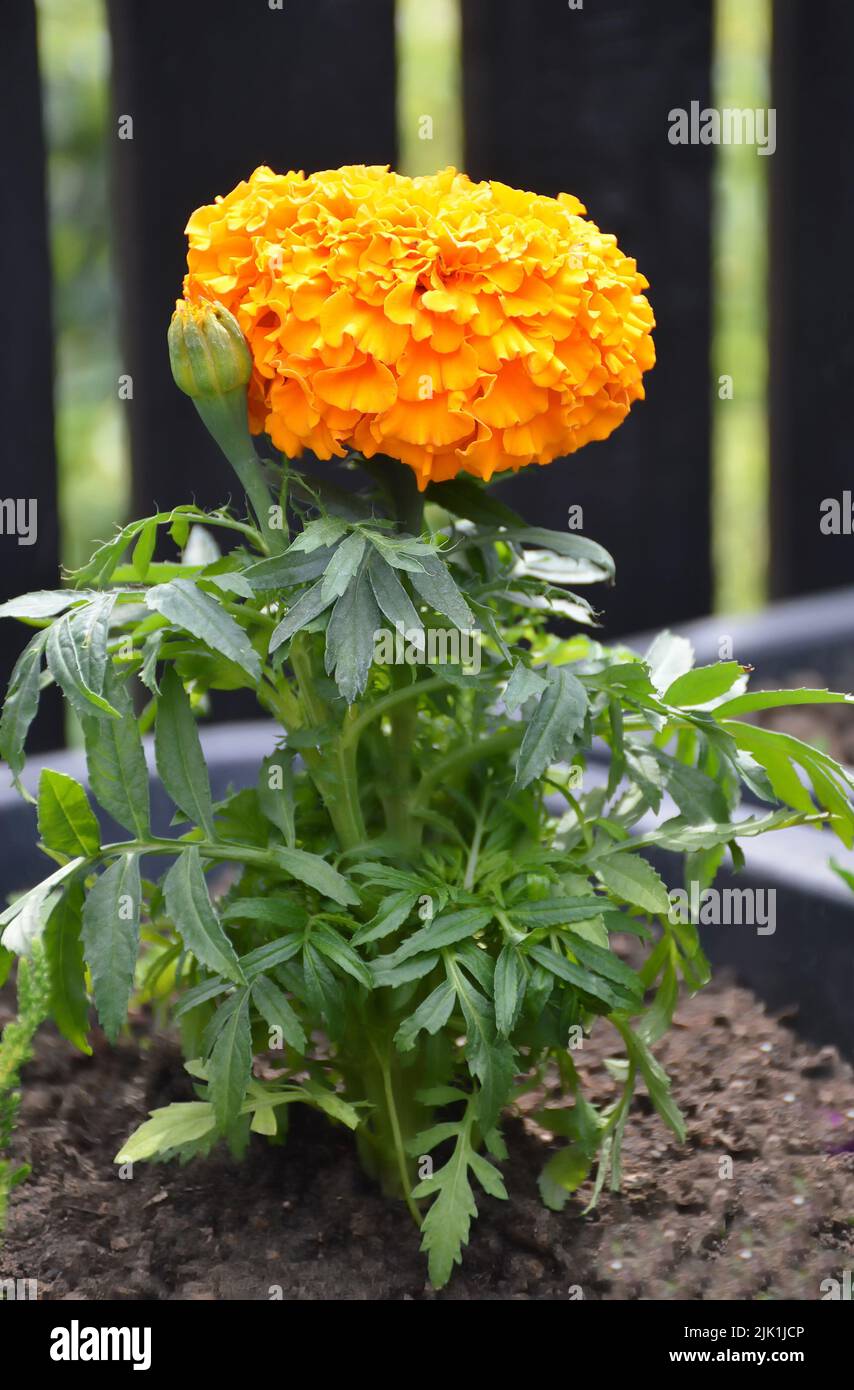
<point x="301" y="1222"/>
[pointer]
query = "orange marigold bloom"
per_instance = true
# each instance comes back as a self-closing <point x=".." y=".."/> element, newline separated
<point x="450" y="324"/>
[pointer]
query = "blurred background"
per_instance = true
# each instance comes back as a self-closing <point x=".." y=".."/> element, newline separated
<point x="123" y="115"/>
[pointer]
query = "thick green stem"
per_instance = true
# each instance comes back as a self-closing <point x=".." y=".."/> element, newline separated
<point x="332" y="766"/>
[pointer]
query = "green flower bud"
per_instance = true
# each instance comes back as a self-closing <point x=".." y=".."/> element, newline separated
<point x="209" y="355"/>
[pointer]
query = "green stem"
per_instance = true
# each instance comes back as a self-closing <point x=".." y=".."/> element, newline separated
<point x="400" y="1152"/>
<point x="472" y="753"/>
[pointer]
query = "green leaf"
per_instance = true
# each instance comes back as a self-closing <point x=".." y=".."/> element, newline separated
<point x="350" y="638"/>
<point x="490" y="1058"/>
<point x="343" y="566"/>
<point x="443" y="931"/>
<point x="42" y="603"/>
<point x="610" y="994"/>
<point x="432" y="1015"/>
<point x="633" y="879"/>
<point x="510" y="983"/>
<point x="178" y="751"/>
<point x="466" y="498"/>
<point x="111" y="940"/>
<point x="276" y="793"/>
<point x="324" y="531"/>
<point x="341" y="953"/>
<point x="286" y="571"/>
<point x="702" y="684"/>
<point x="557" y="719"/>
<point x="392" y="599"/>
<point x="66" y="821"/>
<point x="391" y="914"/>
<point x="230" y="1063"/>
<point x="523" y="685"/>
<point x="436" y="587"/>
<point x="22" y="702"/>
<point x="562" y="1175"/>
<point x="276" y="910"/>
<point x="185" y="605"/>
<point x="668" y="658"/>
<point x="169" y="1128"/>
<point x="774" y="699"/>
<point x="189" y="906"/>
<point x="446" y="1226"/>
<point x="656" y="1079"/>
<point x="118" y="774"/>
<point x="593" y="562"/>
<point x="143" y="551"/>
<point x="276" y="1010"/>
<point x="308" y="606"/>
<point x="314" y="870"/>
<point x="69" y="1005"/>
<point x="77" y="655"/>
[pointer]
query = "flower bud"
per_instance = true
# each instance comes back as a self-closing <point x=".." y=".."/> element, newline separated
<point x="209" y="354"/>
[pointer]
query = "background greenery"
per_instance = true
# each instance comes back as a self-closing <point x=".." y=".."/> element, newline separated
<point x="93" y="454"/>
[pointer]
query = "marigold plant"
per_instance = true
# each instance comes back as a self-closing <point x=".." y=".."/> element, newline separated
<point x="422" y="904"/>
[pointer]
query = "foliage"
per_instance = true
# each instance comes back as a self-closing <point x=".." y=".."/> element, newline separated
<point x="15" y="1050"/>
<point x="429" y="878"/>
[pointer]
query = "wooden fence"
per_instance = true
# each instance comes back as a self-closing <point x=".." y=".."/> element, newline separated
<point x="554" y="97"/>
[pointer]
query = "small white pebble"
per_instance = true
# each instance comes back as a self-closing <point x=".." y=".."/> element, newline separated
<point x="745" y="1254"/>
<point x="849" y="1114"/>
<point x="790" y="1098"/>
<point x="798" y="1201"/>
<point x="765" y="1047"/>
<point x="616" y="1265"/>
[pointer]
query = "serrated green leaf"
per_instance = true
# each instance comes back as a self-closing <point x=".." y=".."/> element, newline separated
<point x="431" y="1015"/>
<point x="444" y="930"/>
<point x="557" y="719"/>
<point x="392" y="599"/>
<point x="178" y="751"/>
<point x="308" y="606"/>
<point x="230" y="1063"/>
<point x="188" y="904"/>
<point x="167" y="1129"/>
<point x="523" y="685"/>
<point x="69" y="1005"/>
<point x="509" y="985"/>
<point x="66" y="820"/>
<point x="118" y="774"/>
<point x="343" y="566"/>
<point x="703" y="684"/>
<point x="314" y="870"/>
<point x="22" y="702"/>
<point x="437" y="588"/>
<point x="187" y="606"/>
<point x="633" y="879"/>
<point x="350" y="638"/>
<point x="77" y="655"/>
<point x="111" y="939"/>
<point x="276" y="793"/>
<point x="276" y="1010"/>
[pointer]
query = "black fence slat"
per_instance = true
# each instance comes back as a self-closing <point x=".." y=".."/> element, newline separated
<point x="29" y="522"/>
<point x="215" y="88"/>
<point x="559" y="98"/>
<point x="812" y="335"/>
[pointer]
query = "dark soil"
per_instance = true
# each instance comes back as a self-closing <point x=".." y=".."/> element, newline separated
<point x="301" y="1222"/>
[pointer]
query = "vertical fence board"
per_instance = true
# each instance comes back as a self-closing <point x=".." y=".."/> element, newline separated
<point x="812" y="331"/>
<point x="26" y="357"/>
<point x="577" y="100"/>
<point x="216" y="88"/>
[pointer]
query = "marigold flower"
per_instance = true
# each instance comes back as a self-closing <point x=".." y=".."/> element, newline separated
<point x="450" y="324"/>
